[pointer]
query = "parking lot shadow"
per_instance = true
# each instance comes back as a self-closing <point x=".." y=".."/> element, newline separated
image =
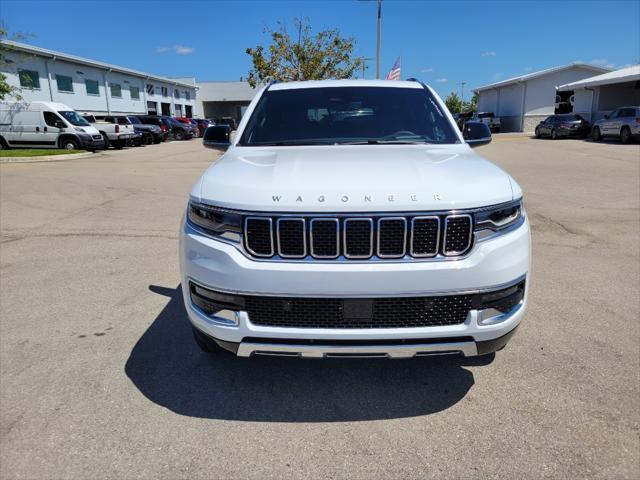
<point x="170" y="370"/>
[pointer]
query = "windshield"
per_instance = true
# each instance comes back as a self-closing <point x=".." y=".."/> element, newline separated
<point x="330" y="115"/>
<point x="74" y="119"/>
<point x="135" y="120"/>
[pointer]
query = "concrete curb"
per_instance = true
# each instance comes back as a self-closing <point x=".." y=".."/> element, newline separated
<point x="47" y="158"/>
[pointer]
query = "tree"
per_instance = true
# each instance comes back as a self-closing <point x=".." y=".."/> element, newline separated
<point x="309" y="57"/>
<point x="7" y="90"/>
<point x="453" y="103"/>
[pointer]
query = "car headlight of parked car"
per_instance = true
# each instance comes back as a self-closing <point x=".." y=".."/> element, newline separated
<point x="499" y="218"/>
<point x="214" y="221"/>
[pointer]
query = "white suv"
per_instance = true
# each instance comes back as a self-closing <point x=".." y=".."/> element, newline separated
<point x="350" y="218"/>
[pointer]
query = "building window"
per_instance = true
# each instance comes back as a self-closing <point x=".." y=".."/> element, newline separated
<point x="165" y="92"/>
<point x="92" y="87"/>
<point x="116" y="90"/>
<point x="176" y="93"/>
<point x="29" y="78"/>
<point x="135" y="93"/>
<point x="65" y="84"/>
<point x="187" y="94"/>
<point x="178" y="110"/>
<point x="149" y="89"/>
<point x="152" y="108"/>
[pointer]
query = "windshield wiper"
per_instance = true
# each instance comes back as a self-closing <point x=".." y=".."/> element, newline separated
<point x="384" y="142"/>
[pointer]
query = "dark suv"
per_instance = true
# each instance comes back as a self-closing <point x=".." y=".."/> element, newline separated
<point x="173" y="127"/>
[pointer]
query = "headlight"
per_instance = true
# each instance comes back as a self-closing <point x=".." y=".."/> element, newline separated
<point x="215" y="221"/>
<point x="499" y="218"/>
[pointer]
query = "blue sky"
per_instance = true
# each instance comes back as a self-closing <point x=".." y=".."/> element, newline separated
<point x="441" y="42"/>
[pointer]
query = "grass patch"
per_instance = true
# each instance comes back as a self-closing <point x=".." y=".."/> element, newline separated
<point x="36" y="152"/>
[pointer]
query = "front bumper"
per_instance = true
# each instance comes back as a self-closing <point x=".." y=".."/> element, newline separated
<point x="492" y="264"/>
<point x="89" y="143"/>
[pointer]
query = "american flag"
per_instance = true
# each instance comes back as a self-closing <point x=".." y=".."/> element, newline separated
<point x="394" y="73"/>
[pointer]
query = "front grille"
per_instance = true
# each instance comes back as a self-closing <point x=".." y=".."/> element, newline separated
<point x="97" y="137"/>
<point x="358" y="313"/>
<point x="358" y="238"/>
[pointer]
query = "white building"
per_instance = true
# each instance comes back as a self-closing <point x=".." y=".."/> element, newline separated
<point x="522" y="102"/>
<point x="94" y="87"/>
<point x="596" y="96"/>
<point x="224" y="99"/>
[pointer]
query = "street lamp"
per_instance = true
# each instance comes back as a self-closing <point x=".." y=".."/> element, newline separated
<point x="462" y="84"/>
<point x="378" y="43"/>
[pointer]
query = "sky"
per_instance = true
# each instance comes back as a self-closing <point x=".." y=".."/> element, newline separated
<point x="441" y="43"/>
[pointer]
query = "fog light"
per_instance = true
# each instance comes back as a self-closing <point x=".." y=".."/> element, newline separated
<point x="222" y="306"/>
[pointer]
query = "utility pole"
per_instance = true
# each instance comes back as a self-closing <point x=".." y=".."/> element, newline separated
<point x="378" y="49"/>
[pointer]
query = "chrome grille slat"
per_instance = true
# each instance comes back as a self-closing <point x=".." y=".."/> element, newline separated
<point x="357" y="236"/>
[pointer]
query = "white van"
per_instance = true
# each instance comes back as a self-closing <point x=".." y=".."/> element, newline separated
<point x="45" y="125"/>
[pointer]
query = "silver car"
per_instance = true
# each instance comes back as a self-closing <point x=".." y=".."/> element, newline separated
<point x="623" y="122"/>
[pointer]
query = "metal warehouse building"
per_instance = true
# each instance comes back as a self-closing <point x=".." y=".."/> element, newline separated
<point x="224" y="99"/>
<point x="596" y="96"/>
<point x="95" y="87"/>
<point x="522" y="102"/>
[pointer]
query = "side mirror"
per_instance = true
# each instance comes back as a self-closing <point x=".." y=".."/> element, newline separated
<point x="217" y="137"/>
<point x="476" y="133"/>
<point x="606" y="117"/>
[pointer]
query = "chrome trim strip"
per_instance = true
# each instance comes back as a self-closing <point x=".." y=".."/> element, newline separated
<point x="432" y="293"/>
<point x="247" y="349"/>
<point x="246" y="239"/>
<point x="304" y="237"/>
<point x="444" y="240"/>
<point x="337" y="222"/>
<point x="425" y="255"/>
<point x="404" y="242"/>
<point x="344" y="237"/>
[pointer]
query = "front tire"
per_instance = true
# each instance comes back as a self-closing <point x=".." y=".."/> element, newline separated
<point x="69" y="144"/>
<point x="106" y="141"/>
<point x="625" y="135"/>
<point x="179" y="135"/>
<point x="596" y="135"/>
<point x="554" y="134"/>
<point x="537" y="132"/>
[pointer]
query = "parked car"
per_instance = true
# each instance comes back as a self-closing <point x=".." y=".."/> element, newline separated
<point x="623" y="123"/>
<point x="45" y="125"/>
<point x="179" y="131"/>
<point x="462" y="118"/>
<point x="115" y="135"/>
<point x="190" y="124"/>
<point x="313" y="257"/>
<point x="488" y="118"/>
<point x="563" y="125"/>
<point x="160" y="122"/>
<point x="148" y="133"/>
<point x="202" y="124"/>
<point x="226" y="121"/>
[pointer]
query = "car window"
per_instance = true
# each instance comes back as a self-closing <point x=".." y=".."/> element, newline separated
<point x="614" y="114"/>
<point x="51" y="118"/>
<point x="123" y="121"/>
<point x="548" y="119"/>
<point x="134" y="120"/>
<point x="627" y="112"/>
<point x="329" y="115"/>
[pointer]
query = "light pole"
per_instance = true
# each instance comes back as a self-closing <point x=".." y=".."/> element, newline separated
<point x="378" y="49"/>
<point x="462" y="84"/>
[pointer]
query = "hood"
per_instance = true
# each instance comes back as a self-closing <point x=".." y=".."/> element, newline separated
<point x="353" y="178"/>
<point x="91" y="130"/>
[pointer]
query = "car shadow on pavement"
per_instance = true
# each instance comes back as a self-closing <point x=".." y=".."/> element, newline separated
<point x="170" y="370"/>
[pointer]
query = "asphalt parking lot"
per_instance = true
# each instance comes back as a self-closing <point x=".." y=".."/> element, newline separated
<point x="99" y="377"/>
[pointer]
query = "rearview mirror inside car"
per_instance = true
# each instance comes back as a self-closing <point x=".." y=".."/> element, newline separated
<point x="476" y="133"/>
<point x="217" y="137"/>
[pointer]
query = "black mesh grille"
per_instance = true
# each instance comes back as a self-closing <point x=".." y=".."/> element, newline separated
<point x="291" y="241"/>
<point x="258" y="236"/>
<point x="392" y="237"/>
<point x="457" y="234"/>
<point x="324" y="238"/>
<point x="425" y="236"/>
<point x="358" y="238"/>
<point x="358" y="313"/>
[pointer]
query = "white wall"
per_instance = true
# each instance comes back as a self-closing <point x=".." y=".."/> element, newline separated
<point x="80" y="100"/>
<point x="488" y="101"/>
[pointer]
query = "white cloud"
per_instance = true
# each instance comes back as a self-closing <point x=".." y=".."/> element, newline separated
<point x="442" y="80"/>
<point x="488" y="54"/>
<point x="179" y="49"/>
<point x="427" y="70"/>
<point x="602" y="62"/>
<point x="528" y="69"/>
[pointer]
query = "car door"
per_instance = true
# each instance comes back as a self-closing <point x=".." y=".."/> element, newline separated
<point x="51" y="128"/>
<point x="607" y="127"/>
<point x="546" y="125"/>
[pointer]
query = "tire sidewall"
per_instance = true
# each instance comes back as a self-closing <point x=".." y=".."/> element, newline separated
<point x="69" y="142"/>
<point x="554" y="134"/>
<point x="625" y="135"/>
